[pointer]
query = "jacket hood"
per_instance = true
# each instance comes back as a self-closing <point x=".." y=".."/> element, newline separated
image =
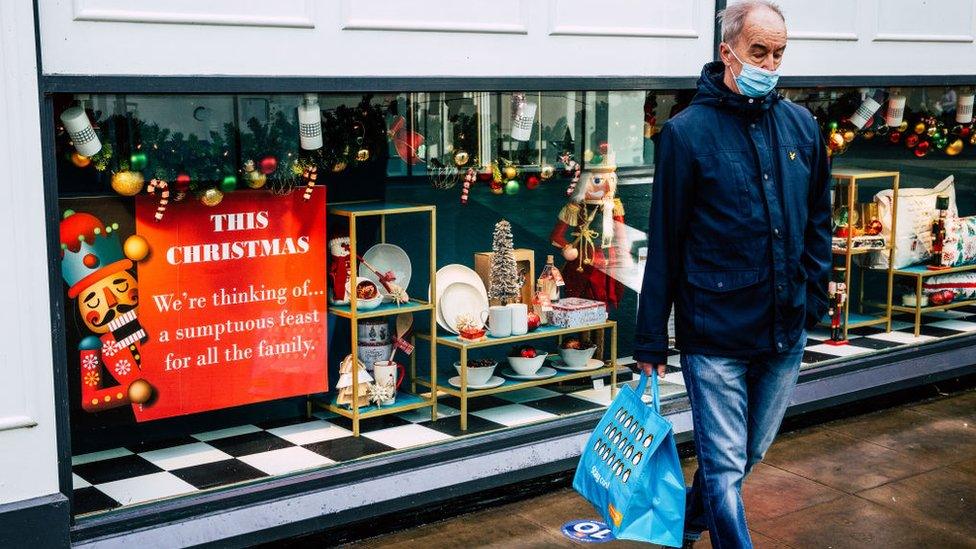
<point x="713" y="91"/>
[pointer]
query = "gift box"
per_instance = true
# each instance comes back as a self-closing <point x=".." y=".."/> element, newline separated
<point x="574" y="311"/>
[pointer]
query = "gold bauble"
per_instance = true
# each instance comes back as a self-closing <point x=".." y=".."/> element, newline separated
<point x="80" y="160"/>
<point x="954" y="148"/>
<point x="461" y="158"/>
<point x="848" y="136"/>
<point x="509" y="172"/>
<point x="339" y="166"/>
<point x="587" y="155"/>
<point x="868" y="135"/>
<point x="211" y="197"/>
<point x="127" y="183"/>
<point x="919" y="128"/>
<point x="546" y="172"/>
<point x="930" y="131"/>
<point x="972" y="139"/>
<point x="255" y="179"/>
<point x="136" y="247"/>
<point x="362" y="155"/>
<point x="903" y="126"/>
<point x="140" y="391"/>
<point x="836" y="141"/>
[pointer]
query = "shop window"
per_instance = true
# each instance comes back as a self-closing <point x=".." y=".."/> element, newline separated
<point x="241" y="259"/>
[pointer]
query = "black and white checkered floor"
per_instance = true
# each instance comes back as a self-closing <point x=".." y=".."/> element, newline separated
<point x="136" y="474"/>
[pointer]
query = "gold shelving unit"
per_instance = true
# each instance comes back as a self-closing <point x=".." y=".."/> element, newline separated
<point x="405" y="401"/>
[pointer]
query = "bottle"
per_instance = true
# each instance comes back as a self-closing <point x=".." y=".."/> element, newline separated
<point x="550" y="280"/>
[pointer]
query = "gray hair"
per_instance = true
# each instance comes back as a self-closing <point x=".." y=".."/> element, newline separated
<point x="733" y="18"/>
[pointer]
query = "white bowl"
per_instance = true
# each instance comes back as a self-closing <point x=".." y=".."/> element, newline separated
<point x="371" y="303"/>
<point x="577" y="358"/>
<point x="479" y="375"/>
<point x="527" y="366"/>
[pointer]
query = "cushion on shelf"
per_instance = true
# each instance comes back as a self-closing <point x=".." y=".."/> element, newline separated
<point x="913" y="234"/>
<point x="960" y="243"/>
<point x="963" y="285"/>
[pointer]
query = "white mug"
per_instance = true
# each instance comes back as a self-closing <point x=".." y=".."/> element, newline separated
<point x="388" y="373"/>
<point x="499" y="321"/>
<point x="520" y="318"/>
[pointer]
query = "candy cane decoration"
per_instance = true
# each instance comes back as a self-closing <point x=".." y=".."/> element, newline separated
<point x="163" y="196"/>
<point x="310" y="174"/>
<point x="574" y="167"/>
<point x="469" y="179"/>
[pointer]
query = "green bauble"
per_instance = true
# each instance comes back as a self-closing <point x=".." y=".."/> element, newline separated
<point x="512" y="187"/>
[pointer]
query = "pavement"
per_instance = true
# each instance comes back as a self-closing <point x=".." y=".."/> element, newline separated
<point x="901" y="477"/>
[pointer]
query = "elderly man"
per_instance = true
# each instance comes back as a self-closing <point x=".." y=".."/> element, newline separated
<point x="739" y="242"/>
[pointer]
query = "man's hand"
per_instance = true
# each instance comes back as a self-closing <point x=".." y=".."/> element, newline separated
<point x="649" y="368"/>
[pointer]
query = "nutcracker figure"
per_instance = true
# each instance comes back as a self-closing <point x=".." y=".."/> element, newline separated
<point x="939" y="232"/>
<point x="598" y="247"/>
<point x="96" y="271"/>
<point x="836" y="298"/>
<point x="339" y="267"/>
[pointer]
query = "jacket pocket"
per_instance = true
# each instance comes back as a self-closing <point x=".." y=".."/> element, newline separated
<point x="731" y="306"/>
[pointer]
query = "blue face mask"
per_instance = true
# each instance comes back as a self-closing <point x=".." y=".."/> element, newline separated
<point x="754" y="81"/>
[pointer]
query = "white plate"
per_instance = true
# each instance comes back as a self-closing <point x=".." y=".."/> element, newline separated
<point x="493" y="382"/>
<point x="449" y="274"/>
<point x="591" y="364"/>
<point x="387" y="257"/>
<point x="544" y="373"/>
<point x="461" y="298"/>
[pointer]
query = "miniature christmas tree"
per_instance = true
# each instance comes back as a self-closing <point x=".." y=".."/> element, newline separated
<point x="504" y="271"/>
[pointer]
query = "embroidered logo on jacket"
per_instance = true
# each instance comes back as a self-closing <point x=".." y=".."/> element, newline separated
<point x="792" y="155"/>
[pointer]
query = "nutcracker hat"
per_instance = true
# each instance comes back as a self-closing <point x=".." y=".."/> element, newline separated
<point x="90" y="251"/>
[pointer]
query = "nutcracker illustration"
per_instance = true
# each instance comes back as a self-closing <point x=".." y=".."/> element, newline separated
<point x="598" y="247"/>
<point x="939" y="232"/>
<point x="96" y="269"/>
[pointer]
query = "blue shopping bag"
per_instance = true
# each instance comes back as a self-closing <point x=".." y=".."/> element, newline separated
<point x="629" y="470"/>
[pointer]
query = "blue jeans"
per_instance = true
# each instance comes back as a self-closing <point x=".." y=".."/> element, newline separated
<point x="737" y="406"/>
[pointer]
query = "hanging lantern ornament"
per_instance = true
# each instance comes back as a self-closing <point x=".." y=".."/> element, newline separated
<point x="895" y="113"/>
<point x="309" y="123"/>
<point x="80" y="130"/>
<point x="128" y="182"/>
<point x="163" y="188"/>
<point x="866" y="110"/>
<point x="461" y="158"/>
<point x="964" y="106"/>
<point x="211" y="197"/>
<point x="268" y="165"/>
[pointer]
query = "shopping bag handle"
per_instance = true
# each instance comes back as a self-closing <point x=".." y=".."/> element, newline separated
<point x="655" y="390"/>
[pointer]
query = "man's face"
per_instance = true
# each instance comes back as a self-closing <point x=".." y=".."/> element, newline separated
<point x="106" y="299"/>
<point x="761" y="43"/>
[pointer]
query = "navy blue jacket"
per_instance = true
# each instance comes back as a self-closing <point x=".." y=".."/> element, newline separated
<point x="739" y="235"/>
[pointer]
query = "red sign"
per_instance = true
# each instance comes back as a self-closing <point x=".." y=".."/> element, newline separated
<point x="233" y="301"/>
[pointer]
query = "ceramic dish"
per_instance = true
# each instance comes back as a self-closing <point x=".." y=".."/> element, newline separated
<point x="544" y="373"/>
<point x="477" y="375"/>
<point x="527" y="366"/>
<point x="495" y="381"/>
<point x="363" y="304"/>
<point x="460" y="298"/>
<point x="591" y="364"/>
<point x="449" y="274"/>
<point x="577" y="358"/>
<point x="387" y="257"/>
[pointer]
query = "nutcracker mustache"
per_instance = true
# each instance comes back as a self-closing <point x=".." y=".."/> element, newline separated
<point x="110" y="315"/>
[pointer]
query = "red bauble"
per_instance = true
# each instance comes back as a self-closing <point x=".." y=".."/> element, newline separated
<point x="948" y="296"/>
<point x="604" y="147"/>
<point x="937" y="299"/>
<point x="534" y="322"/>
<point x="182" y="183"/>
<point x="911" y="141"/>
<point x="965" y="131"/>
<point x="531" y="182"/>
<point x="894" y="137"/>
<point x="922" y="149"/>
<point x="841" y="232"/>
<point x="484" y="176"/>
<point x="268" y="165"/>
